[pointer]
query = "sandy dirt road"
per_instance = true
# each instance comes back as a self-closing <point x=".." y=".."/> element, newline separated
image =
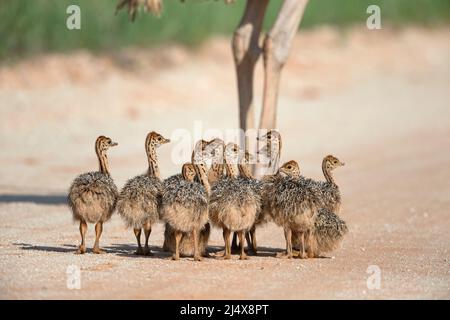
<point x="377" y="100"/>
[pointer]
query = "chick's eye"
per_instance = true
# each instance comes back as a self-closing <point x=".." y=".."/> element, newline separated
<point x="289" y="167"/>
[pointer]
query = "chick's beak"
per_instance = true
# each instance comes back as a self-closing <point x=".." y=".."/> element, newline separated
<point x="113" y="144"/>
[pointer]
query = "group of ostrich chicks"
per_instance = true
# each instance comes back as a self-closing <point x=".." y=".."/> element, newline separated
<point x="226" y="195"/>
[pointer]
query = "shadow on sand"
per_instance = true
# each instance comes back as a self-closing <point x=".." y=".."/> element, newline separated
<point x="54" y="199"/>
<point x="63" y="248"/>
<point x="125" y="250"/>
<point x="128" y="250"/>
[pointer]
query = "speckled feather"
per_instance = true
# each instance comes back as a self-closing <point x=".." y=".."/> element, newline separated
<point x="267" y="187"/>
<point x="233" y="204"/>
<point x="257" y="186"/>
<point x="139" y="201"/>
<point x="327" y="235"/>
<point x="290" y="202"/>
<point x="329" y="196"/>
<point x="184" y="204"/>
<point x="92" y="197"/>
<point x="186" y="243"/>
<point x="329" y="230"/>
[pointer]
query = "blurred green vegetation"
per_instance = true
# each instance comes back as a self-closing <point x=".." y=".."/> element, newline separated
<point x="35" y="26"/>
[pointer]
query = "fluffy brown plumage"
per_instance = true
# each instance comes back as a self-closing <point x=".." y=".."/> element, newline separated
<point x="328" y="229"/>
<point x="138" y="202"/>
<point x="246" y="178"/>
<point x="233" y="204"/>
<point x="327" y="235"/>
<point x="291" y="204"/>
<point x="92" y="196"/>
<point x="186" y="245"/>
<point x="184" y="207"/>
<point x="184" y="204"/>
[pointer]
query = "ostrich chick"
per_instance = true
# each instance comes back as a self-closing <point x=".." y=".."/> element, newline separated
<point x="290" y="202"/>
<point x="328" y="230"/>
<point x="186" y="247"/>
<point x="329" y="190"/>
<point x="93" y="195"/>
<point x="138" y="200"/>
<point x="185" y="206"/>
<point x="246" y="178"/>
<point x="233" y="205"/>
